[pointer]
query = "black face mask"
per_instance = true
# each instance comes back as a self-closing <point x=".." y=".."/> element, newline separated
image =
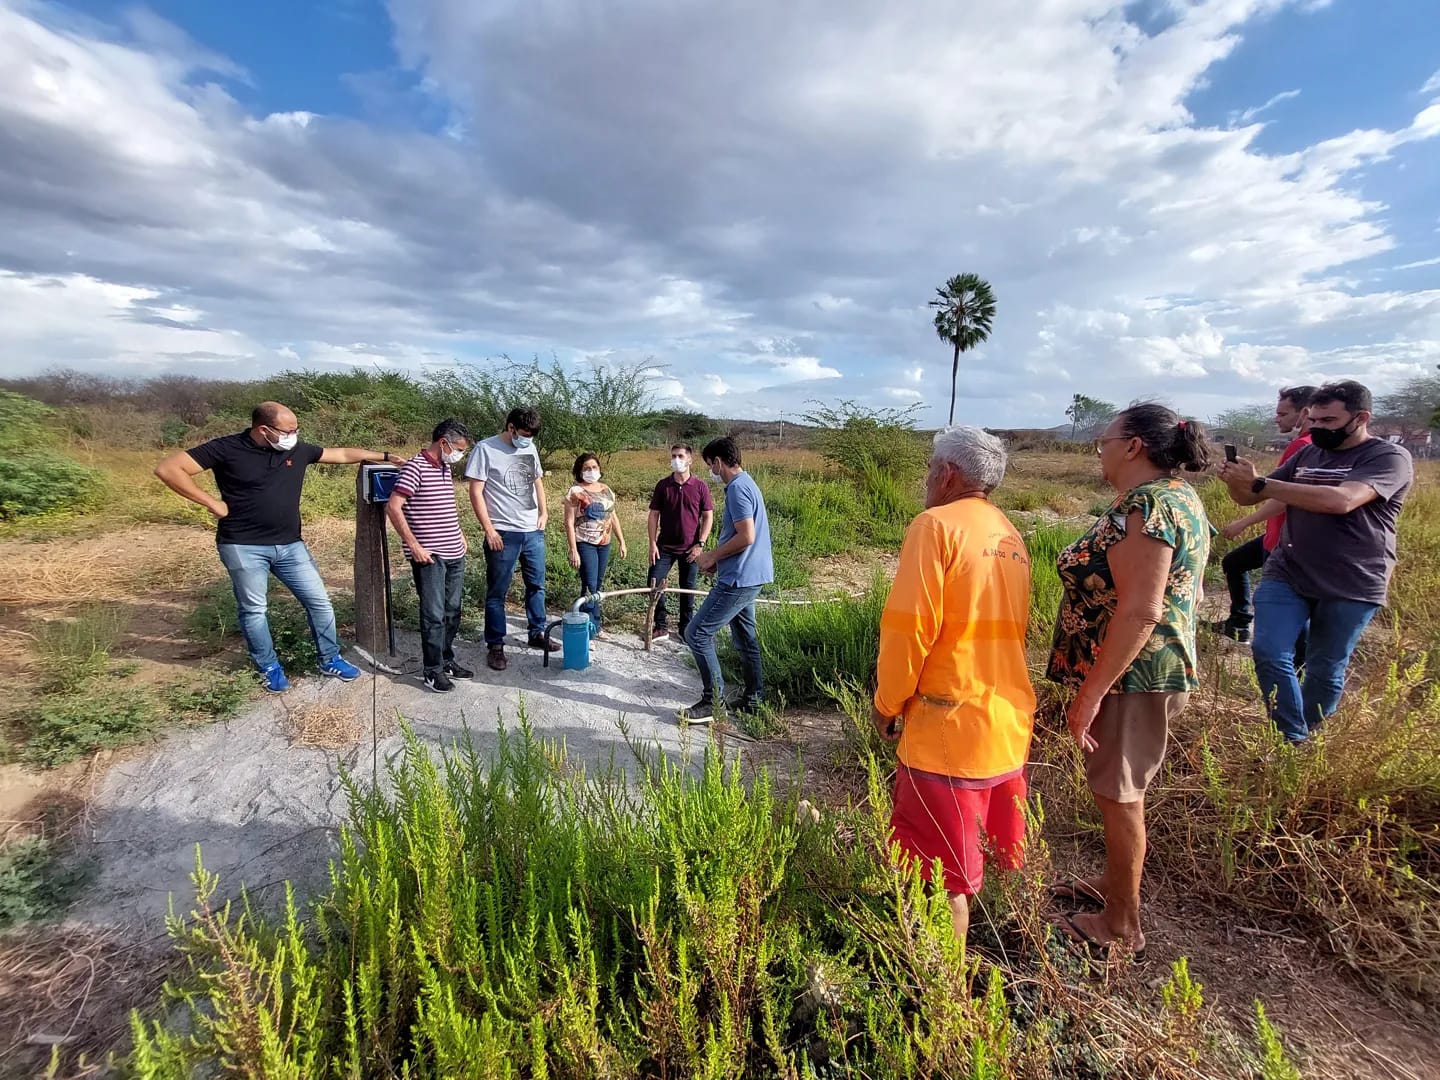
<point x="1331" y="438"/>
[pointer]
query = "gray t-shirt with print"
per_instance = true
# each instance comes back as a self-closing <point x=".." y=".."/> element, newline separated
<point x="1343" y="556"/>
<point x="509" y="476"/>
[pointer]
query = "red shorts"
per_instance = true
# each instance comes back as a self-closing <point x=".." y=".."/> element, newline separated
<point x="934" y="819"/>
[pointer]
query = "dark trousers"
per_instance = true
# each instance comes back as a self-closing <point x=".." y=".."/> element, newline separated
<point x="1238" y="565"/>
<point x="689" y="574"/>
<point x="439" y="584"/>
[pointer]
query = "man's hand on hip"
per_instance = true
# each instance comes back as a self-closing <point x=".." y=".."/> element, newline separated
<point x="888" y="727"/>
<point x="219" y="509"/>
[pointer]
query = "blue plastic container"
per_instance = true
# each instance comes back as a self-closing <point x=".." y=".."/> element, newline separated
<point x="575" y="640"/>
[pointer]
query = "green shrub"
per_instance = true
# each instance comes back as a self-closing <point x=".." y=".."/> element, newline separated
<point x="36" y="880"/>
<point x="33" y="479"/>
<point x="62" y="727"/>
<point x="804" y="645"/>
<point x="75" y="649"/>
<point x="855" y="437"/>
<point x="524" y="920"/>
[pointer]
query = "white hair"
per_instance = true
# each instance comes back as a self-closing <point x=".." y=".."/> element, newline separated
<point x="977" y="455"/>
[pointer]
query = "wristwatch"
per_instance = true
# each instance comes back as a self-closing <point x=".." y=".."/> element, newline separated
<point x="1259" y="485"/>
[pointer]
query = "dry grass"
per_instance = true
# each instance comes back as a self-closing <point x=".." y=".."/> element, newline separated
<point x="69" y="990"/>
<point x="327" y="726"/>
<point x="113" y="566"/>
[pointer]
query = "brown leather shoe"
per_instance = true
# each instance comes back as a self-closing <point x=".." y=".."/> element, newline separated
<point x="496" y="660"/>
<point x="539" y="641"/>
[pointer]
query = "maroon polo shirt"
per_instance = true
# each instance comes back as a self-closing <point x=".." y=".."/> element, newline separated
<point x="680" y="507"/>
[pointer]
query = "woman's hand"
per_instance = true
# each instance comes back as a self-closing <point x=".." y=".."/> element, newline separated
<point x="575" y="558"/>
<point x="1080" y="716"/>
<point x="624" y="551"/>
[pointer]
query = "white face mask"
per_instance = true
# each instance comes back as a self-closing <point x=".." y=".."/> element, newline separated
<point x="523" y="442"/>
<point x="454" y="457"/>
<point x="591" y="476"/>
<point x="716" y="477"/>
<point x="285" y="442"/>
<point x="679" y="464"/>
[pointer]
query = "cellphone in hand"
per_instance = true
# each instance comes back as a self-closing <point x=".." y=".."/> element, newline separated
<point x="1231" y="453"/>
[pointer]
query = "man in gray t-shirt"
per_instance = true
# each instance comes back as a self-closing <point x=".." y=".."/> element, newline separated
<point x="1332" y="569"/>
<point x="507" y="493"/>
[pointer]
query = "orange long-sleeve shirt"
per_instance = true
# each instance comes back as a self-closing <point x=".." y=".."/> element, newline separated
<point x="952" y="644"/>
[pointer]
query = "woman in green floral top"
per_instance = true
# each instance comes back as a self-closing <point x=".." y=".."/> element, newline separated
<point x="1125" y="645"/>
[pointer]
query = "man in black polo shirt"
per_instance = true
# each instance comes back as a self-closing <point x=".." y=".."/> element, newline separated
<point x="259" y="473"/>
<point x="681" y="514"/>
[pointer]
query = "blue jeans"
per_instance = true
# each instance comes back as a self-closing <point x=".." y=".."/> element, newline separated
<point x="439" y="584"/>
<point x="250" y="567"/>
<point x="688" y="572"/>
<point x="734" y="605"/>
<point x="528" y="549"/>
<point x="1335" y="629"/>
<point x="594" y="558"/>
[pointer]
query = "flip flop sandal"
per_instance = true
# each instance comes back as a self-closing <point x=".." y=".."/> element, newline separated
<point x="1076" y="890"/>
<point x="1077" y="938"/>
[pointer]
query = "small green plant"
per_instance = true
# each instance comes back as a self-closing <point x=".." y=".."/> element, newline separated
<point x="63" y="727"/>
<point x="35" y="880"/>
<point x="221" y="695"/>
<point x="33" y="479"/>
<point x="1275" y="1064"/>
<point x="75" y="649"/>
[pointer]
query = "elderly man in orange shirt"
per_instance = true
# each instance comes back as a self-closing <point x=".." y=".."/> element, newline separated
<point x="954" y="688"/>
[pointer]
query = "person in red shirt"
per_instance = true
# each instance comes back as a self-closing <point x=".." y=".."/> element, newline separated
<point x="1290" y="416"/>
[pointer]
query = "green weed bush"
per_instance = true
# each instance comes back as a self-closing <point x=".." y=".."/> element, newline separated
<point x="517" y="917"/>
<point x="33" y="478"/>
<point x="803" y="645"/>
<point x="63" y="727"/>
<point x="36" y="880"/>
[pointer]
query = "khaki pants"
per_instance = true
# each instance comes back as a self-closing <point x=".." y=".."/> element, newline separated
<point x="1131" y="730"/>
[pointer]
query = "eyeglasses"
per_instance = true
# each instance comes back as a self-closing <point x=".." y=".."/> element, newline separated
<point x="1100" y="443"/>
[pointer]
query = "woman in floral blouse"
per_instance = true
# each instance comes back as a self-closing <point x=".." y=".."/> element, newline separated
<point x="590" y="521"/>
<point x="1125" y="645"/>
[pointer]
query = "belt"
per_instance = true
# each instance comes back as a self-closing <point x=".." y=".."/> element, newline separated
<point x="944" y="703"/>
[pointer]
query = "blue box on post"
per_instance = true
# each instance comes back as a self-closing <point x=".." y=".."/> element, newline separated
<point x="379" y="479"/>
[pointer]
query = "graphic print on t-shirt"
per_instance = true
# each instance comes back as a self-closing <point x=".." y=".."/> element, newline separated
<point x="519" y="475"/>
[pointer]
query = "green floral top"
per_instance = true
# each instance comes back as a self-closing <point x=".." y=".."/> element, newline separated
<point x="1173" y="515"/>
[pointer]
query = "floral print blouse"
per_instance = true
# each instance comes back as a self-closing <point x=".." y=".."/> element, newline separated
<point x="1175" y="516"/>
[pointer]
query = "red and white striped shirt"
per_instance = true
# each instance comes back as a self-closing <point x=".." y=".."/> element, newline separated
<point x="429" y="492"/>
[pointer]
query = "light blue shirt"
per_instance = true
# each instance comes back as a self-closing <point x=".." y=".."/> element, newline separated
<point x="755" y="565"/>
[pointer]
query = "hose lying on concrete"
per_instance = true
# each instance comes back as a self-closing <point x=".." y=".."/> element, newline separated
<point x="655" y="594"/>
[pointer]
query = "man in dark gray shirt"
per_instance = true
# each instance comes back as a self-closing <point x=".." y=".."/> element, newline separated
<point x="1336" y="555"/>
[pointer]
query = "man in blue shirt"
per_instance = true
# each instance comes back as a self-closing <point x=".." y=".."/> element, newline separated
<point x="742" y="563"/>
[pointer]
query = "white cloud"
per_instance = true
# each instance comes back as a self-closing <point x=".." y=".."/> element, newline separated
<point x="1432" y="84"/>
<point x="1248" y="115"/>
<point x="760" y="197"/>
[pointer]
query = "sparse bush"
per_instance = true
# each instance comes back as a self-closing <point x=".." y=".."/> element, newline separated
<point x="62" y="727"/>
<point x="36" y="880"/>
<point x="852" y="435"/>
<point x="33" y="479"/>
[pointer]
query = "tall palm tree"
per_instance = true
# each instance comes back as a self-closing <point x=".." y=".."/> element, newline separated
<point x="966" y="306"/>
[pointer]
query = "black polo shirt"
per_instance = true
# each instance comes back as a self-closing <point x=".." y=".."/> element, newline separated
<point x="261" y="487"/>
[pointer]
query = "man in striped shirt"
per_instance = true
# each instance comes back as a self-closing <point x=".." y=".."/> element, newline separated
<point x="422" y="509"/>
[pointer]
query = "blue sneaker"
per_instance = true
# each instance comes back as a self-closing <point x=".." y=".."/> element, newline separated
<point x="342" y="669"/>
<point x="274" y="679"/>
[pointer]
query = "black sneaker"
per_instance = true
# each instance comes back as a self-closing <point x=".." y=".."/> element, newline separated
<point x="439" y="682"/>
<point x="458" y="671"/>
<point x="702" y="712"/>
<point x="1225" y="628"/>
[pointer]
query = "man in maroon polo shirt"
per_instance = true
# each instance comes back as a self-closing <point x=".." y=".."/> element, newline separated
<point x="681" y="514"/>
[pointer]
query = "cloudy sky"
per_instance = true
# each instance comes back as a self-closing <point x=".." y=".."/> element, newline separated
<point x="1200" y="199"/>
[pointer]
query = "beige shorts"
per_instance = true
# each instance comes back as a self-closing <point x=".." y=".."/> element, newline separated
<point x="1131" y="730"/>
